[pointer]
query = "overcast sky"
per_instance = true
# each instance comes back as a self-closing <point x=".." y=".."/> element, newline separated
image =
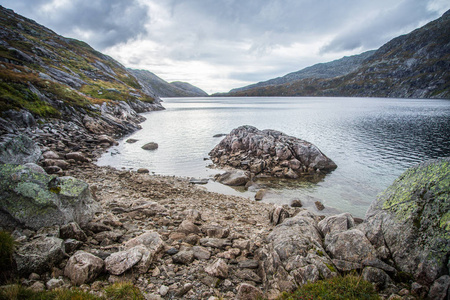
<point x="218" y="45"/>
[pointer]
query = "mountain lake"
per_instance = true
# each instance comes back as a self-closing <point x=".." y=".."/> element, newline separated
<point x="372" y="140"/>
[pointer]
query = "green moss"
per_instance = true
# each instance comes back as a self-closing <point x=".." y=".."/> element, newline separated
<point x="319" y="252"/>
<point x="331" y="267"/>
<point x="348" y="287"/>
<point x="123" y="291"/>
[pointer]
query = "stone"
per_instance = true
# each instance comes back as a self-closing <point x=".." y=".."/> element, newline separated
<point x="72" y="231"/>
<point x="377" y="277"/>
<point x="188" y="227"/>
<point x="151" y="240"/>
<point x="103" y="138"/>
<point x="198" y="181"/>
<point x="260" y="194"/>
<point x="278" y="214"/>
<point x="215" y="231"/>
<point x="72" y="245"/>
<point x="150" y="146"/>
<point x="131" y="141"/>
<point x="183" y="257"/>
<point x="246" y="291"/>
<point x="31" y="199"/>
<point x="163" y="290"/>
<point x="83" y="267"/>
<point x="269" y="152"/>
<point x="18" y="149"/>
<point x="336" y="223"/>
<point x="218" y="268"/>
<point x="248" y="264"/>
<point x="143" y="171"/>
<point x="419" y="290"/>
<point x="119" y="262"/>
<point x="233" y="178"/>
<point x="411" y="218"/>
<point x="77" y="156"/>
<point x="351" y="245"/>
<point x="247" y="275"/>
<point x="62" y="164"/>
<point x="296" y="203"/>
<point x="201" y="253"/>
<point x="184" y="290"/>
<point x="37" y="287"/>
<point x="319" y="205"/>
<point x="54" y="283"/>
<point x="50" y="155"/>
<point x="439" y="290"/>
<point x="215" y="243"/>
<point x="39" y="255"/>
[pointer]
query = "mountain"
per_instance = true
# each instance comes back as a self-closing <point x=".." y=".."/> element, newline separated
<point x="164" y="89"/>
<point x="48" y="76"/>
<point x="335" y="68"/>
<point x="415" y="65"/>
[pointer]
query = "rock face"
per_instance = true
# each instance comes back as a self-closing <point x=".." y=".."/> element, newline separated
<point x="18" y="149"/>
<point x="410" y="221"/>
<point x="33" y="199"/>
<point x="269" y="152"/>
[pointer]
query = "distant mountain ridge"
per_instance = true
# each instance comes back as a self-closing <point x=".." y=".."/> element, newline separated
<point x="414" y="65"/>
<point x="335" y="68"/>
<point x="163" y="88"/>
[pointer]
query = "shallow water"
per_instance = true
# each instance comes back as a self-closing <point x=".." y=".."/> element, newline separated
<point x="371" y="140"/>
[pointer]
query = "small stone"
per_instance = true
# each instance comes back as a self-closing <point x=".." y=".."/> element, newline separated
<point x="319" y="205"/>
<point x="183" y="257"/>
<point x="150" y="146"/>
<point x="37" y="287"/>
<point x="248" y="292"/>
<point x="260" y="194"/>
<point x="218" y="268"/>
<point x="131" y="141"/>
<point x="163" y="290"/>
<point x="296" y="203"/>
<point x="143" y="171"/>
<point x="172" y="251"/>
<point x="54" y="283"/>
<point x="201" y="253"/>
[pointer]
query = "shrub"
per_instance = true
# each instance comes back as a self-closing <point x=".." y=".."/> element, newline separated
<point x="347" y="287"/>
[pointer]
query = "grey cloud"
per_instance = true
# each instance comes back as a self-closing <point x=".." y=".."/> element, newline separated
<point x="105" y="22"/>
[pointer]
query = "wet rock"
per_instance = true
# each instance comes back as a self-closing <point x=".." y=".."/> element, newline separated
<point x="218" y="268"/>
<point x="296" y="203"/>
<point x="410" y="218"/>
<point x="39" y="255"/>
<point x="233" y="178"/>
<point x="150" y="146"/>
<point x="36" y="200"/>
<point x="260" y="194"/>
<point x="142" y="171"/>
<point x="319" y="205"/>
<point x="199" y="181"/>
<point x="83" y="267"/>
<point x="131" y="141"/>
<point x="18" y="149"/>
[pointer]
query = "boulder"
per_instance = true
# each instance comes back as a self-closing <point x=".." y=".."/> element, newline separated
<point x="119" y="262"/>
<point x="30" y="198"/>
<point x="83" y="267"/>
<point x="336" y="223"/>
<point x="246" y="291"/>
<point x="351" y="245"/>
<point x="233" y="178"/>
<point x="269" y="152"/>
<point x="18" y="149"/>
<point x="260" y="194"/>
<point x="218" y="268"/>
<point x="410" y="221"/>
<point x="39" y="255"/>
<point x="150" y="146"/>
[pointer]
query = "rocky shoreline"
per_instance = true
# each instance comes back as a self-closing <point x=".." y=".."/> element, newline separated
<point x="175" y="240"/>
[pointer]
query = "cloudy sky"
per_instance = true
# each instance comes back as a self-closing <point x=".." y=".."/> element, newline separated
<point x="218" y="45"/>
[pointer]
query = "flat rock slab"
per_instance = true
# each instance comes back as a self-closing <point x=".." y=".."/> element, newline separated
<point x="269" y="152"/>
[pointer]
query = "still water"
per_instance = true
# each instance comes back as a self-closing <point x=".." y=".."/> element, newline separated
<point x="372" y="140"/>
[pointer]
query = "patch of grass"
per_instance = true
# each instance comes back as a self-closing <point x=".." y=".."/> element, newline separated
<point x="125" y="291"/>
<point x="349" y="287"/>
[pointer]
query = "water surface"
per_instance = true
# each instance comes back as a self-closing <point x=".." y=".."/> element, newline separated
<point x="371" y="140"/>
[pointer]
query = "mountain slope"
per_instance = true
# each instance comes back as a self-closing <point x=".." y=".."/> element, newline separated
<point x="51" y="76"/>
<point x="164" y="89"/>
<point x="331" y="69"/>
<point x="415" y="65"/>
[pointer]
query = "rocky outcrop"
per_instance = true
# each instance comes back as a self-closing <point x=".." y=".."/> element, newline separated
<point x="269" y="152"/>
<point x="409" y="223"/>
<point x="31" y="198"/>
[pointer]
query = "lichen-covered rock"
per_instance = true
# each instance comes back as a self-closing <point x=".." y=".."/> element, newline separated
<point x="269" y="152"/>
<point x="39" y="255"/>
<point x="33" y="199"/>
<point x="411" y="221"/>
<point x="18" y="149"/>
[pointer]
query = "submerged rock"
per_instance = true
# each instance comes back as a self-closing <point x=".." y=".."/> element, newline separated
<point x="269" y="152"/>
<point x="150" y="146"/>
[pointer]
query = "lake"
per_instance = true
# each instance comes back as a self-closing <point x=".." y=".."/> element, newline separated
<point x="372" y="140"/>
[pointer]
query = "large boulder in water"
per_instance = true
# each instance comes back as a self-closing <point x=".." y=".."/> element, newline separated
<point x="31" y="198"/>
<point x="18" y="149"/>
<point x="269" y="152"/>
<point x="410" y="221"/>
